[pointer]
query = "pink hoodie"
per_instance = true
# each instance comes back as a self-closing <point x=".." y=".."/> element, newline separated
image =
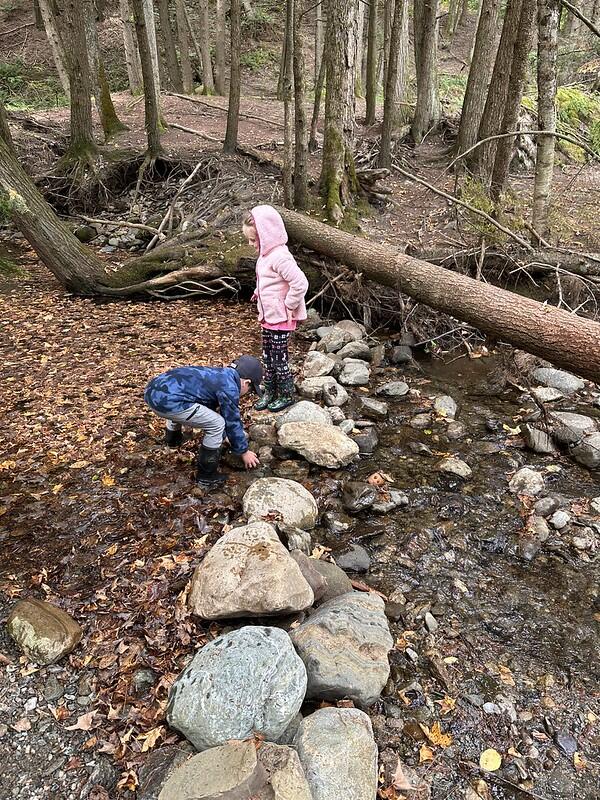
<point x="280" y="283"/>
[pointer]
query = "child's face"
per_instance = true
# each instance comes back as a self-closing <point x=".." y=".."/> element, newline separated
<point x="250" y="233"/>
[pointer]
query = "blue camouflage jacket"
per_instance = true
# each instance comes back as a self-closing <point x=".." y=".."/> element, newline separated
<point x="214" y="387"/>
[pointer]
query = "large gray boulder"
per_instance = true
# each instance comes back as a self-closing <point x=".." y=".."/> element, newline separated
<point x="356" y="350"/>
<point x="334" y="340"/>
<point x="587" y="452"/>
<point x="286" y="499"/>
<point x="344" y="645"/>
<point x="445" y="406"/>
<point x="393" y="389"/>
<point x="334" y="395"/>
<point x="557" y="379"/>
<point x="324" y="445"/>
<point x="248" y="681"/>
<point x="317" y="364"/>
<point x="569" y="428"/>
<point x="248" y="573"/>
<point x="313" y="387"/>
<point x="305" y="411"/>
<point x="355" y="372"/>
<point x="338" y="754"/>
<point x="355" y="329"/>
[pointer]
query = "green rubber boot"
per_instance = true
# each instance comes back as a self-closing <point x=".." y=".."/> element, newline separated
<point x="269" y="395"/>
<point x="284" y="397"/>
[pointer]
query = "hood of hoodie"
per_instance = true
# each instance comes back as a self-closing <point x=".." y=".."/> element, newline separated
<point x="270" y="228"/>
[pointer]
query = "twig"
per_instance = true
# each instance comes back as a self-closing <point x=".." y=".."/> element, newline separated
<point x="324" y="289"/>
<point x="577" y="13"/>
<point x="198" y="101"/>
<point x="525" y="244"/>
<point x="115" y="223"/>
<point x="18" y="28"/>
<point x="206" y="136"/>
<point x="169" y="214"/>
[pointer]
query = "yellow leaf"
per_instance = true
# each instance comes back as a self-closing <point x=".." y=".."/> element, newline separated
<point x="79" y="464"/>
<point x="112" y="549"/>
<point x="425" y="754"/>
<point x="436" y="736"/>
<point x="506" y="676"/>
<point x="451" y="660"/>
<point x="578" y="761"/>
<point x="3" y="510"/>
<point x="108" y="480"/>
<point x="150" y="738"/>
<point x="447" y="705"/>
<point x="591" y="717"/>
<point x="490" y="760"/>
<point x="57" y="488"/>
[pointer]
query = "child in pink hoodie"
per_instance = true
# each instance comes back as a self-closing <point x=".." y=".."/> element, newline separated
<point x="279" y="294"/>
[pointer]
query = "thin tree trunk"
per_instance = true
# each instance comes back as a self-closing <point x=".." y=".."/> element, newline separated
<point x="319" y="38"/>
<point x="464" y="13"/>
<point x="39" y="20"/>
<point x="5" y="133"/>
<point x="561" y="337"/>
<point x="428" y="110"/>
<point x="288" y="121"/>
<point x="388" y="15"/>
<point x="220" y="49"/>
<point x="184" y="47"/>
<point x="480" y="75"/>
<point x="518" y="74"/>
<point x="451" y="21"/>
<point x="286" y="54"/>
<point x="247" y="8"/>
<point x="481" y="160"/>
<point x="208" y="82"/>
<point x="312" y="142"/>
<point x="396" y="64"/>
<point x="151" y="106"/>
<point x="132" y="55"/>
<point x="56" y="44"/>
<point x="338" y="177"/>
<point x="371" y="89"/>
<point x="233" y="111"/>
<point x="360" y="32"/>
<point x="80" y="86"/>
<point x="148" y="6"/>
<point x="301" y="132"/>
<point x="169" y="43"/>
<point x="547" y="19"/>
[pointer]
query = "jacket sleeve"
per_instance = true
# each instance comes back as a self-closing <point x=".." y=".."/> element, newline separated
<point x="230" y="411"/>
<point x="295" y="278"/>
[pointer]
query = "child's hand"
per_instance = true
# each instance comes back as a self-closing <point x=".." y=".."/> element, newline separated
<point x="254" y="297"/>
<point x="250" y="459"/>
<point x="290" y="316"/>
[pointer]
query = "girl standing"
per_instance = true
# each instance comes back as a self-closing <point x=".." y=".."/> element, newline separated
<point x="280" y="289"/>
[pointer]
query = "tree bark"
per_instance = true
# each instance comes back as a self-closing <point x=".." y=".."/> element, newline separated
<point x="220" y="48"/>
<point x="132" y="55"/>
<point x="148" y="7"/>
<point x="563" y="338"/>
<point x="360" y="32"/>
<point x="312" y="142"/>
<point x="233" y="111"/>
<point x="151" y="106"/>
<point x="5" y="133"/>
<point x="169" y="43"/>
<point x="82" y="130"/>
<point x="480" y="75"/>
<point x="208" y="81"/>
<point x="451" y="21"/>
<point x="371" y="88"/>
<point x="338" y="178"/>
<point x="388" y="16"/>
<point x="396" y="70"/>
<point x="481" y="160"/>
<point x="547" y="19"/>
<point x="184" y="47"/>
<point x="56" y="43"/>
<point x="518" y="74"/>
<point x="319" y="38"/>
<point x="428" y="110"/>
<point x="286" y="96"/>
<point x="39" y="20"/>
<point x="301" y="132"/>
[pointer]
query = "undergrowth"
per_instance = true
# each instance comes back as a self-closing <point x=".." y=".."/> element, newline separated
<point x="26" y="88"/>
<point x="257" y="58"/>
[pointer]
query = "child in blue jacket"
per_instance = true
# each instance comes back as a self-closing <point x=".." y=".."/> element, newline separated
<point x="192" y="395"/>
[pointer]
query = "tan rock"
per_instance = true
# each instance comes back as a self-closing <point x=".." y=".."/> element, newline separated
<point x="324" y="445"/>
<point x="249" y="573"/>
<point x="44" y="632"/>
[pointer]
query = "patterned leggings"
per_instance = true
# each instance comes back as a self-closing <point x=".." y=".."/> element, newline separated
<point x="275" y="360"/>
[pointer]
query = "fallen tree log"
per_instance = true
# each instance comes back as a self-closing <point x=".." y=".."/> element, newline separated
<point x="565" y="339"/>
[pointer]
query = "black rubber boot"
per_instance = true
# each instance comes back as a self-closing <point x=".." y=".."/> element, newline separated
<point x="207" y="465"/>
<point x="284" y="396"/>
<point x="173" y="438"/>
<point x="269" y="395"/>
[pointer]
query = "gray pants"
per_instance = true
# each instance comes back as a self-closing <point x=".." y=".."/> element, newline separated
<point x="199" y="416"/>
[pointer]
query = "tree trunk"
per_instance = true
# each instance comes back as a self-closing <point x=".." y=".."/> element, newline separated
<point x="563" y="338"/>
<point x="360" y="32"/>
<point x="148" y="7"/>
<point x="233" y="111"/>
<point x="5" y="133"/>
<point x="319" y="28"/>
<point x="169" y="43"/>
<point x="301" y="133"/>
<point x="338" y="178"/>
<point x="39" y="20"/>
<point x="132" y="55"/>
<point x="428" y="110"/>
<point x="184" y="47"/>
<point x="547" y="19"/>
<point x="219" y="48"/>
<point x="82" y="129"/>
<point x="56" y="43"/>
<point x="371" y="88"/>
<point x="514" y="98"/>
<point x="464" y="13"/>
<point x="286" y="96"/>
<point x="388" y="15"/>
<point x="397" y="64"/>
<point x="312" y="142"/>
<point x="451" y="22"/>
<point x="480" y="74"/>
<point x="151" y="106"/>
<point x="208" y="82"/>
<point x="481" y="160"/>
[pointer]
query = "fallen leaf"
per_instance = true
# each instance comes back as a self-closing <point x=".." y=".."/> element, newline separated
<point x="60" y="712"/>
<point x="451" y="660"/>
<point x="22" y="725"/>
<point x="108" y="480"/>
<point x="447" y="705"/>
<point x="84" y="722"/>
<point x="436" y="735"/>
<point x="578" y="761"/>
<point x="490" y="760"/>
<point x="425" y="754"/>
<point x="150" y="738"/>
<point x="399" y="780"/>
<point x="506" y="676"/>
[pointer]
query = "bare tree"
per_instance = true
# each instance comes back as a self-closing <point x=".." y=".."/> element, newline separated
<point x="548" y="13"/>
<point x="301" y="144"/>
<point x="480" y="75"/>
<point x="338" y="178"/>
<point x="286" y="96"/>
<point x="312" y="142"/>
<point x="184" y="46"/>
<point x="219" y="48"/>
<point x="395" y="74"/>
<point x="360" y="33"/>
<point x="169" y="44"/>
<point x="132" y="55"/>
<point x="319" y="38"/>
<point x="56" y="43"/>
<point x="151" y="104"/>
<point x="371" y="88"/>
<point x="208" y="81"/>
<point x="233" y="111"/>
<point x="427" y="110"/>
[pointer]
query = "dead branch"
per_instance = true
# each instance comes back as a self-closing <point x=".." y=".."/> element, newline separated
<point x="577" y="13"/>
<point x="168" y="216"/>
<point x="208" y="103"/>
<point x="115" y="223"/>
<point x="18" y="28"/>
